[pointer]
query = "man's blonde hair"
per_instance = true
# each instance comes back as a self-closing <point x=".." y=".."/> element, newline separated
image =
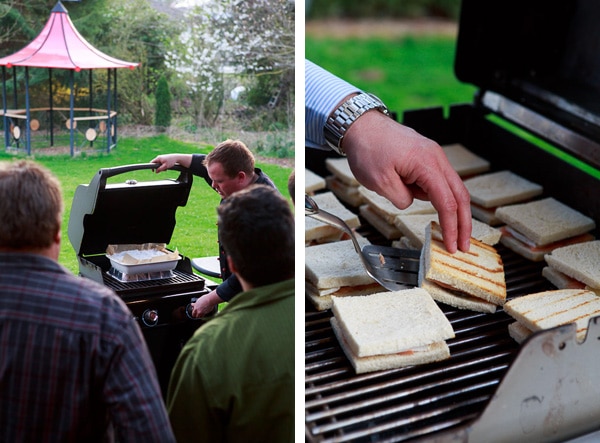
<point x="234" y="156"/>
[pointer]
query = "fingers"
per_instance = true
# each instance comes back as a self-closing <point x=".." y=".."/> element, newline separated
<point x="162" y="162"/>
<point x="451" y="199"/>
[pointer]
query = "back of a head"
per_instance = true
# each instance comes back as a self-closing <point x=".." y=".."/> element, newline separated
<point x="234" y="156"/>
<point x="31" y="205"/>
<point x="256" y="227"/>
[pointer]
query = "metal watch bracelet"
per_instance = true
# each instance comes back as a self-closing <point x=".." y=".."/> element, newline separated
<point x="347" y="113"/>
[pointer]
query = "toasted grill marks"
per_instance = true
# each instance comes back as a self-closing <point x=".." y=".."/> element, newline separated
<point x="498" y="265"/>
<point x="472" y="275"/>
<point x="478" y="273"/>
<point x="544" y="310"/>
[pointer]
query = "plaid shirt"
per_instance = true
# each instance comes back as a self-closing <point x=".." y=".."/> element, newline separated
<point x="73" y="363"/>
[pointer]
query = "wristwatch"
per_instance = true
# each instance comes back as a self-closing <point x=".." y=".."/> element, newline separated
<point x="342" y="118"/>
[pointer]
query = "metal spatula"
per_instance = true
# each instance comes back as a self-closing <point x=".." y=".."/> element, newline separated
<point x="392" y="268"/>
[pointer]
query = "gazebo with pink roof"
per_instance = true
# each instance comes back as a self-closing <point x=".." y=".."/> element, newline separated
<point x="60" y="46"/>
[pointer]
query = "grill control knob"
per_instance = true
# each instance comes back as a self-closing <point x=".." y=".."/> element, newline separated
<point x="189" y="308"/>
<point x="150" y="317"/>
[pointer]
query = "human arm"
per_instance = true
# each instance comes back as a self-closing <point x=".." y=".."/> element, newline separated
<point x="167" y="161"/>
<point x="206" y="304"/>
<point x="403" y="165"/>
<point x="223" y="293"/>
<point x="389" y="158"/>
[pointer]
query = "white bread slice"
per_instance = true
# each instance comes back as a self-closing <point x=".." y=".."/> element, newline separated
<point x="389" y="231"/>
<point x="386" y="209"/>
<point x="390" y="322"/>
<point x="313" y="182"/>
<point x="580" y="261"/>
<point x="464" y="161"/>
<point x="500" y="188"/>
<point x="537" y="253"/>
<point x="405" y="243"/>
<point x="414" y="226"/>
<point x="485" y="215"/>
<point x="335" y="265"/>
<point x="478" y="273"/>
<point x="322" y="300"/>
<point x="315" y="230"/>
<point x="428" y="354"/>
<point x="456" y="299"/>
<point x="545" y="310"/>
<point x="450" y="297"/>
<point x="545" y="221"/>
<point x="560" y="280"/>
<point x="340" y="168"/>
<point x="518" y="332"/>
<point x="346" y="193"/>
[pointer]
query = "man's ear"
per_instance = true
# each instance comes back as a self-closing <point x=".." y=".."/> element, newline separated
<point x="58" y="236"/>
<point x="232" y="267"/>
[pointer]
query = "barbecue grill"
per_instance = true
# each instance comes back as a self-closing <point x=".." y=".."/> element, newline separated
<point x="536" y="113"/>
<point x="131" y="212"/>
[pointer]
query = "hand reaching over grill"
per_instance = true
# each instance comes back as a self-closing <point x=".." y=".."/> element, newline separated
<point x="205" y="305"/>
<point x="401" y="165"/>
<point x="168" y="160"/>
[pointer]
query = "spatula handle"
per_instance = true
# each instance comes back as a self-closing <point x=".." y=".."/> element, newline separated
<point x="312" y="210"/>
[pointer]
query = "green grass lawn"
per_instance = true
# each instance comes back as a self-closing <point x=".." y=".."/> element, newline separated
<point x="195" y="234"/>
<point x="406" y="73"/>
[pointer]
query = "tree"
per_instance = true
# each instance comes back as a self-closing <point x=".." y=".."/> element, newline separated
<point x="162" y="117"/>
<point x="253" y="37"/>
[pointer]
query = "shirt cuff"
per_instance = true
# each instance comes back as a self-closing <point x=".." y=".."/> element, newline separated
<point x="323" y="92"/>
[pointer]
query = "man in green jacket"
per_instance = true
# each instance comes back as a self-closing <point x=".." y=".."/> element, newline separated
<point x="234" y="379"/>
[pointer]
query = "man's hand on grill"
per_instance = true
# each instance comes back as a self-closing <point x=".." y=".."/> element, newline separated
<point x="168" y="160"/>
<point x="401" y="165"/>
<point x="205" y="305"/>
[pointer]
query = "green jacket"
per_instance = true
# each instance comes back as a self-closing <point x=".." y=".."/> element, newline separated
<point x="234" y="379"/>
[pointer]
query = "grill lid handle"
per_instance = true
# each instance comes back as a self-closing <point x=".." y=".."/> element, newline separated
<point x="99" y="180"/>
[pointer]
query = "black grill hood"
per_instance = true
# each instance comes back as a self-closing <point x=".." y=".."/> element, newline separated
<point x="541" y="55"/>
<point x="128" y="210"/>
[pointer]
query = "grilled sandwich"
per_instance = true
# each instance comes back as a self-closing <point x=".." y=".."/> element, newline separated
<point x="466" y="280"/>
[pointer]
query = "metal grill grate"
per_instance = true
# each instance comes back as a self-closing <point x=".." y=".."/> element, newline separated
<point x="413" y="402"/>
<point x="180" y="282"/>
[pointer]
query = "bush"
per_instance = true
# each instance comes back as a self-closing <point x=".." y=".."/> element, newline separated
<point x="162" y="118"/>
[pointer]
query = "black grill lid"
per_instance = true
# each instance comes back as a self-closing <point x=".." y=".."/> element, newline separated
<point x="541" y="54"/>
<point x="126" y="210"/>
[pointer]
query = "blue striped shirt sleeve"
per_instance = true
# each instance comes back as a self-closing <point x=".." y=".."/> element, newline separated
<point x="323" y="91"/>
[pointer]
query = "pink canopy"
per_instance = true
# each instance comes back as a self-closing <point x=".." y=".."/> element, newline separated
<point x="59" y="45"/>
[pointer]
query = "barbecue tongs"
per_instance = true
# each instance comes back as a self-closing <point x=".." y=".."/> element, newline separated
<point x="392" y="268"/>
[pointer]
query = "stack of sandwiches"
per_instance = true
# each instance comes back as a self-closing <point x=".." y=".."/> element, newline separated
<point x="391" y="329"/>
<point x="465" y="162"/>
<point x="342" y="181"/>
<point x="536" y="228"/>
<point x="382" y="214"/>
<point x="316" y="232"/>
<point x="575" y="266"/>
<point x="334" y="269"/>
<point x="548" y="309"/>
<point x="413" y="229"/>
<point x="313" y="182"/>
<point x="488" y="191"/>
<point x="465" y="280"/>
